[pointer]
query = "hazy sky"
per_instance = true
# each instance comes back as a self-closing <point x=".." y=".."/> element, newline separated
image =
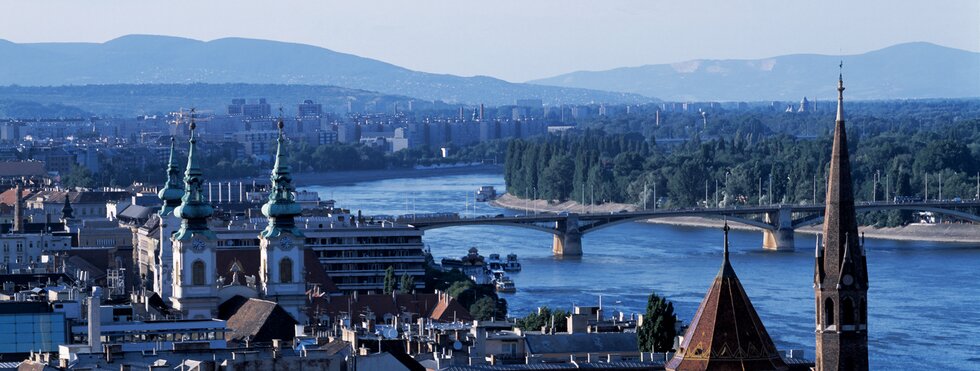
<point x="517" y="40"/>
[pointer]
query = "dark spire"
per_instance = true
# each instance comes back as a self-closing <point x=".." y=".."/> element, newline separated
<point x="841" y="271"/>
<point x="193" y="210"/>
<point x="173" y="190"/>
<point x="726" y="332"/>
<point x="840" y="218"/>
<point x="67" y="212"/>
<point x="281" y="209"/>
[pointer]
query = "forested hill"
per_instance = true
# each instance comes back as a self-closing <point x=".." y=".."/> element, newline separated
<point x="621" y="167"/>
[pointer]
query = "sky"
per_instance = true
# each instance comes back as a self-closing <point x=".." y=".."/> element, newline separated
<point x="517" y="40"/>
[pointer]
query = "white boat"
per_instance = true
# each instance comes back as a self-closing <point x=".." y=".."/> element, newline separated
<point x="494" y="262"/>
<point x="506" y="285"/>
<point x="486" y="193"/>
<point x="512" y="265"/>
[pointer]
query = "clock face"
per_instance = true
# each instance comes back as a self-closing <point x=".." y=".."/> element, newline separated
<point x="285" y="243"/>
<point x="848" y="279"/>
<point x="198" y="245"/>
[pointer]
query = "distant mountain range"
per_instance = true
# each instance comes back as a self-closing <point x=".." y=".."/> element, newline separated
<point x="912" y="70"/>
<point x="142" y="59"/>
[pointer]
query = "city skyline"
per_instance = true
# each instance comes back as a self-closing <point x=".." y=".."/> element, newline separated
<point x="516" y="41"/>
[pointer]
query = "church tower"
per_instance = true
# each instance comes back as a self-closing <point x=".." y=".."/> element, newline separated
<point x="281" y="244"/>
<point x="194" y="289"/>
<point x="171" y="195"/>
<point x="840" y="280"/>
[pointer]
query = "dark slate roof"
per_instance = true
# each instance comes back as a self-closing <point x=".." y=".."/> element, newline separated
<point x="726" y="332"/>
<point x="87" y="197"/>
<point x="22" y="168"/>
<point x="582" y="343"/>
<point x="136" y="213"/>
<point x="260" y="321"/>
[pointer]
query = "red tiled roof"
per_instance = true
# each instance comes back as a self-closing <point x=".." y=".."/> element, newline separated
<point x="726" y="332"/>
<point x="9" y="196"/>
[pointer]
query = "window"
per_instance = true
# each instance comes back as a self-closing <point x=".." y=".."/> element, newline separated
<point x="863" y="315"/>
<point x="197" y="273"/>
<point x="828" y="312"/>
<point x="285" y="270"/>
<point x="847" y="312"/>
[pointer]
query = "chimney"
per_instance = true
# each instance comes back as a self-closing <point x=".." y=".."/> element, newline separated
<point x="95" y="320"/>
<point x="481" y="112"/>
<point x="18" y="210"/>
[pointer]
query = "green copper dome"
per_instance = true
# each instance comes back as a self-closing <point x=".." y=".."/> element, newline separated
<point x="281" y="209"/>
<point x="193" y="210"/>
<point x="173" y="190"/>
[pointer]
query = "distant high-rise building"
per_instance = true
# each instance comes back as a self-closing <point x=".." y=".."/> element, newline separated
<point x="310" y="109"/>
<point x="239" y="107"/>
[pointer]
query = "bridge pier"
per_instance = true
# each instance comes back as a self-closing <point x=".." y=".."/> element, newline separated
<point x="782" y="239"/>
<point x="567" y="244"/>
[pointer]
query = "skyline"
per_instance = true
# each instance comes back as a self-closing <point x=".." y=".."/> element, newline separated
<point x="524" y="41"/>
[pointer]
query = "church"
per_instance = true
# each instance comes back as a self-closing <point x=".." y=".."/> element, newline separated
<point x="726" y="332"/>
<point x="187" y="278"/>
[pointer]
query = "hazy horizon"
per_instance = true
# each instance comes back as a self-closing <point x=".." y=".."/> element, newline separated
<point x="518" y="41"/>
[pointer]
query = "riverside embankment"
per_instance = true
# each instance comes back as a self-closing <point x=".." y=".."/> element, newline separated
<point x="956" y="233"/>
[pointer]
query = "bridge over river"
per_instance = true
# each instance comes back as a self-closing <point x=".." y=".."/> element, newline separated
<point x="777" y="222"/>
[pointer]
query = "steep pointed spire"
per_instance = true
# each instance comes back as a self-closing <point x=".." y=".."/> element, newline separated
<point x="841" y="271"/>
<point x="726" y="332"/>
<point x="193" y="210"/>
<point x="840" y="94"/>
<point x="173" y="190"/>
<point x="281" y="209"/>
<point x="840" y="218"/>
<point x="67" y="212"/>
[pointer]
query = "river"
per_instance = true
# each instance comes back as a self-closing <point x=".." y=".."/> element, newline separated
<point x="923" y="297"/>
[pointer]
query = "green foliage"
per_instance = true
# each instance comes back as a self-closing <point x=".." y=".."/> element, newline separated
<point x="406" y="284"/>
<point x="389" y="280"/>
<point x="658" y="330"/>
<point x="487" y="308"/>
<point x="544" y="317"/>
<point x="759" y="164"/>
<point x="79" y="176"/>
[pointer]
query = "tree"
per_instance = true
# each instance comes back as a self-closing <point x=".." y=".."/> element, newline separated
<point x="544" y="317"/>
<point x="390" y="280"/>
<point x="489" y="308"/>
<point x="79" y="176"/>
<point x="657" y="332"/>
<point x="407" y="284"/>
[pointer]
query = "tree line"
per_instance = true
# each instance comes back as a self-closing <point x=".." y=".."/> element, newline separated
<point x="887" y="160"/>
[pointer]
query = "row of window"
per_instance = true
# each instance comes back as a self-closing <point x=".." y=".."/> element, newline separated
<point x="849" y="313"/>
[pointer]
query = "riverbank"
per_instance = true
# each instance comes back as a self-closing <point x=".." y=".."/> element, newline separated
<point x="358" y="176"/>
<point x="955" y="233"/>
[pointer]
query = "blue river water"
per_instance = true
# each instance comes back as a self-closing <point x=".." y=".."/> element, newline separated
<point x="924" y="297"/>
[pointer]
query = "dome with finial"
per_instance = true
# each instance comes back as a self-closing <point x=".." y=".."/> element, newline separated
<point x="281" y="209"/>
<point x="173" y="190"/>
<point x="193" y="210"/>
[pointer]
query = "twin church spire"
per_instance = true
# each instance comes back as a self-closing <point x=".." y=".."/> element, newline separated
<point x="188" y="203"/>
<point x="281" y="209"/>
<point x="193" y="210"/>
